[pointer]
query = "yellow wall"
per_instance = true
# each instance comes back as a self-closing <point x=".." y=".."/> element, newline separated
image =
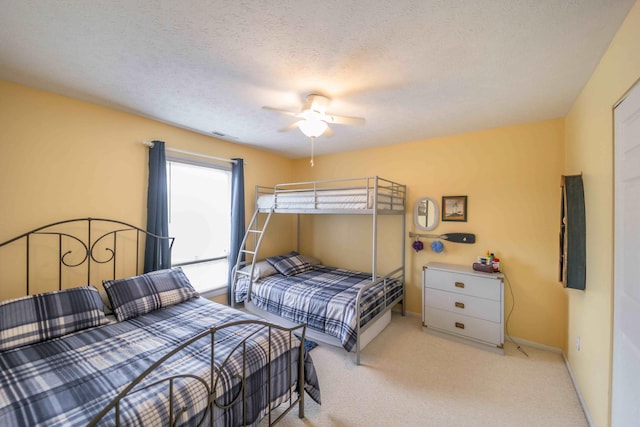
<point x="65" y="158"/>
<point x="589" y="148"/>
<point x="511" y="176"/>
<point x="61" y="158"/>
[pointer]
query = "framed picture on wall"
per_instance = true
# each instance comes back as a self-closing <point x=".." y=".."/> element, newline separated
<point x="454" y="208"/>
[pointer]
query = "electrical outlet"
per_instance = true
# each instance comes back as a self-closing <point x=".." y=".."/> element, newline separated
<point x="578" y="343"/>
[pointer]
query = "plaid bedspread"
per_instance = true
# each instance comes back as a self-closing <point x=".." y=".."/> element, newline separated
<point x="68" y="380"/>
<point x="323" y="298"/>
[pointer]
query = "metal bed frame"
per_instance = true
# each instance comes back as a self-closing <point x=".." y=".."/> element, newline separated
<point x="82" y="238"/>
<point x="212" y="399"/>
<point x="77" y="243"/>
<point x="318" y="196"/>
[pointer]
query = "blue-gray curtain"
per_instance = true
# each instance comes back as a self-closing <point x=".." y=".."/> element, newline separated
<point x="237" y="219"/>
<point x="156" y="254"/>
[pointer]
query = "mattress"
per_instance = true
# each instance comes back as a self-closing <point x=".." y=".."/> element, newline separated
<point x="345" y="199"/>
<point x="324" y="298"/>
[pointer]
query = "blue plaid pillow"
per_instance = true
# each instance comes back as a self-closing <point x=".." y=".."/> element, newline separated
<point x="148" y="292"/>
<point x="290" y="264"/>
<point x="40" y="317"/>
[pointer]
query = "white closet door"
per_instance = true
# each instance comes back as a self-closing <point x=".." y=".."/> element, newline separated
<point x="625" y="401"/>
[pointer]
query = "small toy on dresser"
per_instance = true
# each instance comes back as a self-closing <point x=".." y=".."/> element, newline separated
<point x="488" y="263"/>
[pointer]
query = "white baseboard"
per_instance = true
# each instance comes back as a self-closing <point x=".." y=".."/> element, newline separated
<point x="522" y="341"/>
<point x="575" y="386"/>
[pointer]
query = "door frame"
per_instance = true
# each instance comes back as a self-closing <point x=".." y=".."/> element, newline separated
<point x="615" y="285"/>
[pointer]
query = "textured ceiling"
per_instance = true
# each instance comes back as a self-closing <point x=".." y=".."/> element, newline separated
<point x="413" y="69"/>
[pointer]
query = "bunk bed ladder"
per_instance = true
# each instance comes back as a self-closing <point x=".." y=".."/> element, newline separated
<point x="251" y="256"/>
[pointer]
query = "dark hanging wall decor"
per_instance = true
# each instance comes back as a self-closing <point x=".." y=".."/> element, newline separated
<point x="573" y="266"/>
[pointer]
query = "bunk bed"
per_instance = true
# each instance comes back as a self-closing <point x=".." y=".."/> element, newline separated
<point x="148" y="351"/>
<point x="340" y="307"/>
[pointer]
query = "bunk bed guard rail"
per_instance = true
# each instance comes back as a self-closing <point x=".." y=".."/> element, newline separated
<point x="354" y="195"/>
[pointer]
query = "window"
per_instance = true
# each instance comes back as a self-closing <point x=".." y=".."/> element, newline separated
<point x="199" y="196"/>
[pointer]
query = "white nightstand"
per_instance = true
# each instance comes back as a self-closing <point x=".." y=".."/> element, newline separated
<point x="461" y="303"/>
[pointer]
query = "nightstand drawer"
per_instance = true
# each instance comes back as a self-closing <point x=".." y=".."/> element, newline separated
<point x="480" y="308"/>
<point x="483" y="287"/>
<point x="466" y="326"/>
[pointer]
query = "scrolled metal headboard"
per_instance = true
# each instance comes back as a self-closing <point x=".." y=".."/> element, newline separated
<point x="86" y="236"/>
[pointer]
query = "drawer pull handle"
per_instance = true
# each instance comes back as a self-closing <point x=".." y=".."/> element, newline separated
<point x="459" y="325"/>
<point x="460" y="304"/>
<point x="459" y="285"/>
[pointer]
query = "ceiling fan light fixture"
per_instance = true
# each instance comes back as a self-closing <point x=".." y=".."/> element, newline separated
<point x="313" y="128"/>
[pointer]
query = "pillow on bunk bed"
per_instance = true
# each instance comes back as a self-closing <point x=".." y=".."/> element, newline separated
<point x="260" y="270"/>
<point x="290" y="264"/>
<point x="48" y="315"/>
<point x="148" y="292"/>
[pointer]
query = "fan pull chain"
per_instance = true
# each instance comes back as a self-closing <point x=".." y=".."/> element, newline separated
<point x="313" y="138"/>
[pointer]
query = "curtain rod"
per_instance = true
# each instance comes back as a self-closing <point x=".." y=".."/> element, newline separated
<point x="191" y="153"/>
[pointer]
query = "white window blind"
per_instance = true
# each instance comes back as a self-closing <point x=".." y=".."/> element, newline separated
<point x="199" y="196"/>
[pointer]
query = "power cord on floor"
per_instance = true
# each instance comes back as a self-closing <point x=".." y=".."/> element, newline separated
<point x="506" y="325"/>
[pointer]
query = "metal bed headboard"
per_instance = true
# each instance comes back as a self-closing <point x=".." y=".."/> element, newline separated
<point x="78" y="241"/>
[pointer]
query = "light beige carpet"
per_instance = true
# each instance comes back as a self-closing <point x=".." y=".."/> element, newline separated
<point x="410" y="378"/>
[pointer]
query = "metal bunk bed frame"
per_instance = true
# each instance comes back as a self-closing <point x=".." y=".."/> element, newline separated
<point x="315" y="193"/>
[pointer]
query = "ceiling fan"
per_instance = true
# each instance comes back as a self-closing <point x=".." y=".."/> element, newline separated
<point x="314" y="119"/>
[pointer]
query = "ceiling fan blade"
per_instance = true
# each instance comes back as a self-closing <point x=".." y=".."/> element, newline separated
<point x="328" y="133"/>
<point x="280" y="110"/>
<point x="292" y="126"/>
<point x="316" y="102"/>
<point x="344" y="120"/>
<point x="308" y="104"/>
